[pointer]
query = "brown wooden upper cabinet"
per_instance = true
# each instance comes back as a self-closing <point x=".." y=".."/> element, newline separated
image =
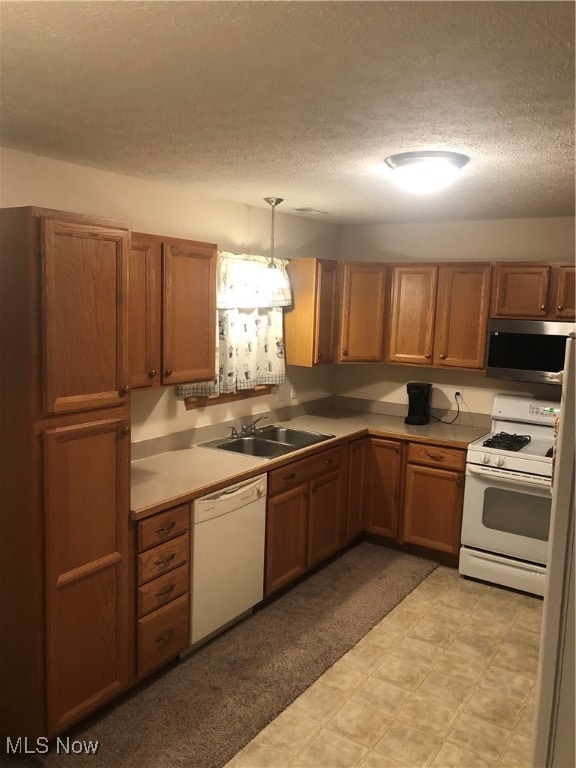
<point x="172" y="301"/>
<point x="533" y="290"/>
<point x="363" y="289"/>
<point x="310" y="323"/>
<point x="439" y="314"/>
<point x="84" y="280"/>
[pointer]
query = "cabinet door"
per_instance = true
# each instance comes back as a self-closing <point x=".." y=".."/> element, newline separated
<point x="520" y="290"/>
<point x="383" y="488"/>
<point x="362" y="321"/>
<point x="189" y="311"/>
<point x="412" y="315"/>
<point x="433" y="508"/>
<point x="84" y="280"/>
<point x="144" y="301"/>
<point x="358" y="464"/>
<point x="565" y="302"/>
<point x="462" y="306"/>
<point x="310" y="323"/>
<point x="88" y="609"/>
<point x="326" y="524"/>
<point x="286" y="537"/>
<point x="325" y="339"/>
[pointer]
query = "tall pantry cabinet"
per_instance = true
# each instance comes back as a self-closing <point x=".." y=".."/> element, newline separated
<point x="65" y="566"/>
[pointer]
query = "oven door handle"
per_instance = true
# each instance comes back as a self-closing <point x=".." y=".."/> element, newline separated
<point x="508" y="477"/>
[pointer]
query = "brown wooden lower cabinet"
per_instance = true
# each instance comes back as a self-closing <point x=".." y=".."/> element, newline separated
<point x="383" y="488"/>
<point x="358" y="462"/>
<point x="286" y="537"/>
<point x="88" y="632"/>
<point x="305" y="520"/>
<point x="163" y="591"/>
<point x="433" y="497"/>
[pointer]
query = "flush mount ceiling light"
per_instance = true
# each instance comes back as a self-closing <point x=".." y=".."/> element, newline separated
<point x="425" y="172"/>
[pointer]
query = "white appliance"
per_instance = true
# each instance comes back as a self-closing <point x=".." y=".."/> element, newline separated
<point x="227" y="556"/>
<point x="554" y="743"/>
<point x="508" y="498"/>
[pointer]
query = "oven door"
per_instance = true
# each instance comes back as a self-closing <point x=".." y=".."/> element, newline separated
<point x="507" y="515"/>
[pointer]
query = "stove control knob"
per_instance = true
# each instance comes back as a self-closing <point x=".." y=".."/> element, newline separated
<point x="485" y="458"/>
<point x="500" y="461"/>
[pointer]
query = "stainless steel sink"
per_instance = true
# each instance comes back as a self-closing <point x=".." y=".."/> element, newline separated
<point x="299" y="438"/>
<point x="251" y="446"/>
<point x="268" y="442"/>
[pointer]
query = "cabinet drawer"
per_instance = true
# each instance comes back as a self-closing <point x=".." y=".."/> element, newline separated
<point x="167" y="525"/>
<point x="300" y="471"/>
<point x="163" y="558"/>
<point x="163" y="634"/>
<point x="436" y="456"/>
<point x="163" y="590"/>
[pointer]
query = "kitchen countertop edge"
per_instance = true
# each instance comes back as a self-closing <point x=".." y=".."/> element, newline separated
<point x="175" y="477"/>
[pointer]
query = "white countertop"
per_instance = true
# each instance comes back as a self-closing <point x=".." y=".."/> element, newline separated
<point x="174" y="477"/>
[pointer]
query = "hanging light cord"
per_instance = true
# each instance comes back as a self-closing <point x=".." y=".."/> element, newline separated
<point x="272" y="202"/>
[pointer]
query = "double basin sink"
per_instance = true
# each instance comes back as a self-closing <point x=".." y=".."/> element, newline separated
<point x="268" y="442"/>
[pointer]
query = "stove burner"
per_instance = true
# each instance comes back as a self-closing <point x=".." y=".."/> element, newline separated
<point x="506" y="442"/>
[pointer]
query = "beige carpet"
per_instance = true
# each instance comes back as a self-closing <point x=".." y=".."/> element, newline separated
<point x="203" y="710"/>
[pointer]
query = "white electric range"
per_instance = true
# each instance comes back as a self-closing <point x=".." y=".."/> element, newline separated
<point x="508" y="495"/>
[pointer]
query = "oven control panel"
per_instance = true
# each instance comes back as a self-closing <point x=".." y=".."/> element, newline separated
<point x="543" y="410"/>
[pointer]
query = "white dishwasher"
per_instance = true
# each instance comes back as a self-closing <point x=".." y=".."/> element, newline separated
<point x="227" y="556"/>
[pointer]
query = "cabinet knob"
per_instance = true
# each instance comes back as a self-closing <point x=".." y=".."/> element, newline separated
<point x="435" y="456"/>
<point x="123" y="391"/>
<point x="543" y="307"/>
<point x="125" y="430"/>
<point x="152" y="374"/>
<point x="443" y="357"/>
<point x="427" y="355"/>
<point x="345" y="353"/>
<point x="168" y="372"/>
<point x="560" y="307"/>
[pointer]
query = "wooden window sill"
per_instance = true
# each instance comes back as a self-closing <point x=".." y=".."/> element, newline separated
<point x="201" y="402"/>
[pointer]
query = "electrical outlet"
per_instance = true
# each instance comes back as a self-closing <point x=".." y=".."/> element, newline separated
<point x="459" y="395"/>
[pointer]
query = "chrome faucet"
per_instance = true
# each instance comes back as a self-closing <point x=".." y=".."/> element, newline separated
<point x="250" y="429"/>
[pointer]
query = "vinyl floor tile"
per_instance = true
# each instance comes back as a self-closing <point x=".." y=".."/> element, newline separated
<point x="446" y="680"/>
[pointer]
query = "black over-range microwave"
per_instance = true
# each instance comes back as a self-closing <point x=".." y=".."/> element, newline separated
<point x="527" y="350"/>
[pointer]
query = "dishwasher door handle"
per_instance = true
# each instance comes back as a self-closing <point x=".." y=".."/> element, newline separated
<point x="226" y="494"/>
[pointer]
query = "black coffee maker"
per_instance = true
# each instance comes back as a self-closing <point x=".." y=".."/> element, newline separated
<point x="419" y="394"/>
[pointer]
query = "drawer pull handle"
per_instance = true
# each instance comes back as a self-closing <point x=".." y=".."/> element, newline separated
<point x="166" y="591"/>
<point x="291" y="476"/>
<point x="165" y="560"/>
<point x="166" y="528"/>
<point x="435" y="456"/>
<point x="166" y="637"/>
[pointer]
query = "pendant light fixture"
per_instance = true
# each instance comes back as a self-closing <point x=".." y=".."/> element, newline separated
<point x="425" y="172"/>
<point x="272" y="202"/>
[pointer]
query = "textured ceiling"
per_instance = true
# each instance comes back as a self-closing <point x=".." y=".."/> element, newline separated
<point x="302" y="100"/>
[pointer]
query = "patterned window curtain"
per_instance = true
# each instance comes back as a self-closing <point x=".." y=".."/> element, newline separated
<point x="249" y="326"/>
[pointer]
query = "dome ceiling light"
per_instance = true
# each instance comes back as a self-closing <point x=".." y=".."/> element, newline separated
<point x="424" y="172"/>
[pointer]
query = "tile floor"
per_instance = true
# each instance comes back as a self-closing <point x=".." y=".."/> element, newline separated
<point x="447" y="679"/>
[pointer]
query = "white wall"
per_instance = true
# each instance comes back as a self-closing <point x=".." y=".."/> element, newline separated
<point x="174" y="210"/>
<point x="498" y="240"/>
